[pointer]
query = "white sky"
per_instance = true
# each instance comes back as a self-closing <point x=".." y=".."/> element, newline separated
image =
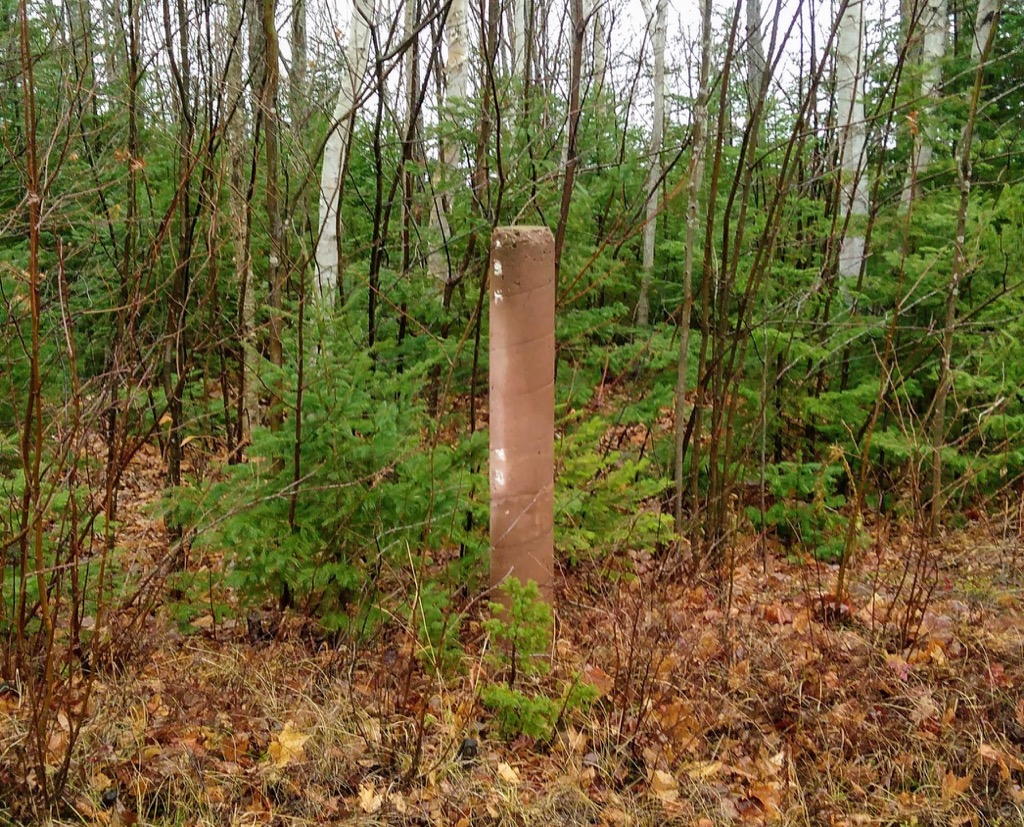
<point x="626" y="24"/>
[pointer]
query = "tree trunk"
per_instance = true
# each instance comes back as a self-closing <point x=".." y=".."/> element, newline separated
<point x="933" y="22"/>
<point x="522" y="14"/>
<point x="852" y="132"/>
<point x="121" y="350"/>
<point x="656" y="22"/>
<point x="336" y="150"/>
<point x="755" y="55"/>
<point x="298" y="84"/>
<point x="572" y="130"/>
<point x="984" y="36"/>
<point x="596" y="14"/>
<point x="269" y="112"/>
<point x="413" y="134"/>
<point x="695" y="178"/>
<point x="298" y="117"/>
<point x="174" y="345"/>
<point x="457" y="69"/>
<point x="238" y="205"/>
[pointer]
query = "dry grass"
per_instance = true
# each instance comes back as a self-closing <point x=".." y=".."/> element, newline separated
<point x="756" y="711"/>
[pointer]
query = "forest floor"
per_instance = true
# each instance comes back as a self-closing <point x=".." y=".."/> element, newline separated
<point x="758" y="701"/>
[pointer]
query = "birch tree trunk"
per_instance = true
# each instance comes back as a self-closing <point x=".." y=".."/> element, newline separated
<point x="655" y="21"/>
<point x="984" y="36"/>
<point x="695" y="178"/>
<point x="522" y="18"/>
<point x="596" y="14"/>
<point x="457" y="70"/>
<point x="755" y="54"/>
<point x="984" y="30"/>
<point x="852" y="132"/>
<point x="934" y="22"/>
<point x="336" y="150"/>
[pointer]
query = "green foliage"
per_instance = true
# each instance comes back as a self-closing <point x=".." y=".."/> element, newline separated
<point x="369" y="490"/>
<point x="63" y="570"/>
<point x="606" y="497"/>
<point x="520" y="633"/>
<point x="520" y="641"/>
<point x="807" y="508"/>
<point x="438" y="626"/>
<point x="534" y="715"/>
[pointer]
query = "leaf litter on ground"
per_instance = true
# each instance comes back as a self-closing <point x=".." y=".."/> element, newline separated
<point x="718" y="703"/>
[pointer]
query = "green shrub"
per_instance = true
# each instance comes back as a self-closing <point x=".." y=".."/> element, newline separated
<point x="602" y="497"/>
<point x="520" y="642"/>
<point x="438" y="627"/>
<point x="807" y="508"/>
<point x="372" y="486"/>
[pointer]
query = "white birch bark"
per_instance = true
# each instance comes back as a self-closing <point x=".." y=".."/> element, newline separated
<point x="336" y="150"/>
<point x="934" y="20"/>
<point x="656" y="20"/>
<point x="852" y="136"/>
<point x="600" y="47"/>
<point x="988" y="10"/>
<point x="457" y="71"/>
<point x="755" y="54"/>
<point x="458" y="54"/>
<point x="522" y="13"/>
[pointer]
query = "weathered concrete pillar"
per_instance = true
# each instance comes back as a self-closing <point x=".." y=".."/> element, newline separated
<point x="522" y="405"/>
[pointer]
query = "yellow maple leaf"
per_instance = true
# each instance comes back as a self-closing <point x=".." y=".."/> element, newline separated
<point x="369" y="799"/>
<point x="704" y="769"/>
<point x="508" y="774"/>
<point x="664" y="786"/>
<point x="954" y="785"/>
<point x="288" y="746"/>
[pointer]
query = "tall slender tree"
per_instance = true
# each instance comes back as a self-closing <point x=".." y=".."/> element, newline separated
<point x="271" y="121"/>
<point x="174" y="357"/>
<point x="984" y="36"/>
<point x="336" y="151"/>
<point x="239" y="221"/>
<point x="755" y="55"/>
<point x="570" y="154"/>
<point x="695" y="179"/>
<point x="600" y="47"/>
<point x="852" y="131"/>
<point x="656" y="23"/>
<point x="439" y="261"/>
<point x="934" y="22"/>
<point x="412" y="153"/>
<point x="522" y="25"/>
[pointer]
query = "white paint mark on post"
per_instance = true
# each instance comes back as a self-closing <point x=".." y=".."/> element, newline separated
<point x="497" y="268"/>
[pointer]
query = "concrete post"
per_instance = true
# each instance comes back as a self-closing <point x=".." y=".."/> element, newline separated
<point x="522" y="405"/>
